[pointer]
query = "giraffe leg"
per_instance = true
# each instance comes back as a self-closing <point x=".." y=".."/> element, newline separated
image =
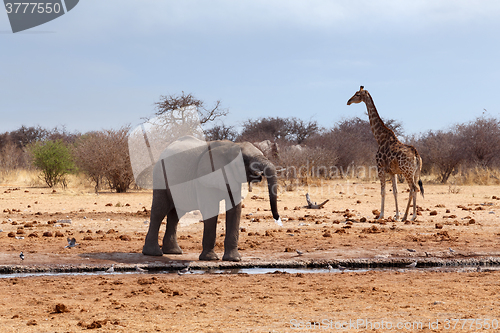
<point x="394" y="181"/>
<point x="413" y="195"/>
<point x="381" y="175"/>
<point x="414" y="205"/>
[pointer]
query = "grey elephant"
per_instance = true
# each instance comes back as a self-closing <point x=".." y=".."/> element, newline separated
<point x="192" y="174"/>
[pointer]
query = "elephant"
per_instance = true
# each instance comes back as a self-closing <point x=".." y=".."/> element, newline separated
<point x="192" y="174"/>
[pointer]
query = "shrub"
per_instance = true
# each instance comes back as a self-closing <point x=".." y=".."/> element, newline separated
<point x="54" y="159"/>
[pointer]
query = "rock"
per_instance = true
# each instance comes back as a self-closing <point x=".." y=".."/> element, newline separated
<point x="47" y="234"/>
<point x="59" y="234"/>
<point x="439" y="226"/>
<point x="32" y="322"/>
<point x="434" y="212"/>
<point x="60" y="308"/>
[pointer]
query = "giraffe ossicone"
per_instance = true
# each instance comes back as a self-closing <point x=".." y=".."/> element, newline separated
<point x="393" y="157"/>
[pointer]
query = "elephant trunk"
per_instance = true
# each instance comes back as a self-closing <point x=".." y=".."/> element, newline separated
<point x="272" y="185"/>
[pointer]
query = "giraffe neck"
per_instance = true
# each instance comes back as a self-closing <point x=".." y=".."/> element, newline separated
<point x="381" y="132"/>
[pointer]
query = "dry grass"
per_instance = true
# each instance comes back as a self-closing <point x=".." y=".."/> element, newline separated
<point x="31" y="178"/>
<point x="476" y="176"/>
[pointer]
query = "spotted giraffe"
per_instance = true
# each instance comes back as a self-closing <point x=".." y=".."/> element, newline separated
<point x="393" y="157"/>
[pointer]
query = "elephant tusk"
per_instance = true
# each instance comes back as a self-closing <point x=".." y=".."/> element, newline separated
<point x="281" y="170"/>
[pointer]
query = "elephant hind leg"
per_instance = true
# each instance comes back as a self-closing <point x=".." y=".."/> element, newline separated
<point x="159" y="210"/>
<point x="170" y="245"/>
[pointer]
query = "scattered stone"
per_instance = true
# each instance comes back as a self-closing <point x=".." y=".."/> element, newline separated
<point x="59" y="234"/>
<point x="125" y="238"/>
<point x="11" y="234"/>
<point x="60" y="308"/>
<point x="434" y="212"/>
<point x="47" y="234"/>
<point x="32" y="322"/>
<point x="439" y="226"/>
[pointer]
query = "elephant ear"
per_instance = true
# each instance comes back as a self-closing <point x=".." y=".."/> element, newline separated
<point x="221" y="166"/>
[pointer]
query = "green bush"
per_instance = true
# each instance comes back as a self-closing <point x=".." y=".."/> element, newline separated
<point x="54" y="159"/>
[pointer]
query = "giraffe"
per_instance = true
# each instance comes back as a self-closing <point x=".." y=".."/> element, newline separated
<point x="393" y="157"/>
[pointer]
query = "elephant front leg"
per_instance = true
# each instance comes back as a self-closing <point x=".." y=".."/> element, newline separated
<point x="209" y="237"/>
<point x="232" y="234"/>
<point x="170" y="245"/>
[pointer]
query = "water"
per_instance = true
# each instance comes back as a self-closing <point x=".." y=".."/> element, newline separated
<point x="258" y="270"/>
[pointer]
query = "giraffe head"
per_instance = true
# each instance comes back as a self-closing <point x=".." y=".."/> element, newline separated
<point x="358" y="97"/>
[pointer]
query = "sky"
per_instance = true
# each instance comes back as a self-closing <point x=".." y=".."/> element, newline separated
<point x="427" y="64"/>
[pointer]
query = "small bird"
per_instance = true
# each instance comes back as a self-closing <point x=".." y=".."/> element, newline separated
<point x="138" y="269"/>
<point x="412" y="265"/>
<point x="411" y="250"/>
<point x="341" y="268"/>
<point x="299" y="252"/>
<point x="183" y="271"/>
<point x="451" y="250"/>
<point x="21" y="255"/>
<point x="330" y="268"/>
<point x="71" y="242"/>
<point x="111" y="269"/>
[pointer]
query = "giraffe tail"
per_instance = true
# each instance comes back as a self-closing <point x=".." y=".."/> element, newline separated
<point x="421" y="187"/>
<point x="419" y="164"/>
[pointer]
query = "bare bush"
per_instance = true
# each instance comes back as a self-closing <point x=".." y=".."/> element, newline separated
<point x="221" y="132"/>
<point x="442" y="151"/>
<point x="281" y="130"/>
<point x="480" y="141"/>
<point x="13" y="157"/>
<point x="104" y="157"/>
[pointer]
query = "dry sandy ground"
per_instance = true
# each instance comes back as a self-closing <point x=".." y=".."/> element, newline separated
<point x="110" y="229"/>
